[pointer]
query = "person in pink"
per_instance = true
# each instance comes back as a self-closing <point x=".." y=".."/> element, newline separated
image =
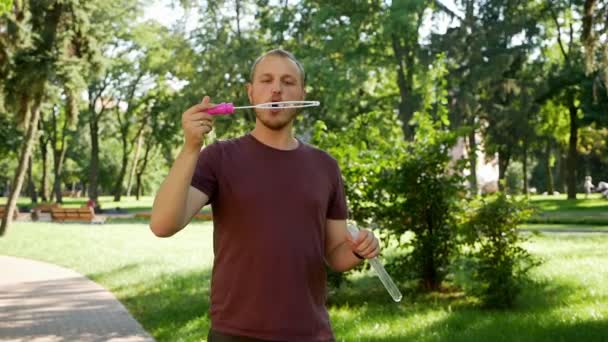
<point x="279" y="215"/>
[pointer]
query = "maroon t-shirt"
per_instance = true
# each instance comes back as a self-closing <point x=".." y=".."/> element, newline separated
<point x="270" y="207"/>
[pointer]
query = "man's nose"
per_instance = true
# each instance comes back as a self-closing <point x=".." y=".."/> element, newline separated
<point x="276" y="87"/>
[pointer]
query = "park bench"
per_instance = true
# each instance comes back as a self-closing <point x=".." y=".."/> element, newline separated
<point x="45" y="207"/>
<point x="3" y="212"/>
<point x="72" y="214"/>
<point x="42" y="208"/>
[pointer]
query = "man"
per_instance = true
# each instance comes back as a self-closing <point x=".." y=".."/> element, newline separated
<point x="588" y="186"/>
<point x="279" y="214"/>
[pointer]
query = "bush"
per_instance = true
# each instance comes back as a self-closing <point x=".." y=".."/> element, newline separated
<point x="424" y="197"/>
<point x="515" y="178"/>
<point x="494" y="266"/>
<point x="368" y="146"/>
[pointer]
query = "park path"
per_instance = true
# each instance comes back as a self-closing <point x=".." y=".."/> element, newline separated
<point x="45" y="302"/>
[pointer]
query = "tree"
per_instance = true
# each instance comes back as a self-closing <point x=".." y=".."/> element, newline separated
<point x="62" y="48"/>
<point x="578" y="61"/>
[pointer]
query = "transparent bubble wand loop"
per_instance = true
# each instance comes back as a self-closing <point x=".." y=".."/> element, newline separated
<point x="226" y="108"/>
<point x="385" y="278"/>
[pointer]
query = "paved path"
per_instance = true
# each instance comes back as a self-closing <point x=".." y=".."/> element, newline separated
<point x="44" y="302"/>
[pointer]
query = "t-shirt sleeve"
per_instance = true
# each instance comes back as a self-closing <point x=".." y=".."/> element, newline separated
<point x="206" y="171"/>
<point x="336" y="209"/>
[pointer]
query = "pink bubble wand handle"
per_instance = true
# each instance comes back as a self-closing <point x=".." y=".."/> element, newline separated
<point x="223" y="108"/>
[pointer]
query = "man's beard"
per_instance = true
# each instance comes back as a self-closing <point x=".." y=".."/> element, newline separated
<point x="276" y="124"/>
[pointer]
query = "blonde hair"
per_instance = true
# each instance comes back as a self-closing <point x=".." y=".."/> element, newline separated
<point x="280" y="53"/>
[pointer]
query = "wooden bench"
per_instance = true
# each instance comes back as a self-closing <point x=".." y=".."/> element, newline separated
<point x="72" y="214"/>
<point x="42" y="208"/>
<point x="46" y="207"/>
<point x="3" y="212"/>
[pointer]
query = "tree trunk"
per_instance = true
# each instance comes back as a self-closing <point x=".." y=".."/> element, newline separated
<point x="140" y="141"/>
<point x="31" y="187"/>
<point x="572" y="153"/>
<point x="525" y="168"/>
<point x="94" y="167"/>
<point x="561" y="171"/>
<point x="26" y="150"/>
<point x="405" y="89"/>
<point x="548" y="171"/>
<point x="57" y="180"/>
<point x="473" y="163"/>
<point x="44" y="182"/>
<point x="123" y="170"/>
<point x="58" y="157"/>
<point x="140" y="172"/>
<point x="503" y="164"/>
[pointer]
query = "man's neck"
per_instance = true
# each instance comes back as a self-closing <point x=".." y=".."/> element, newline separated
<point x="282" y="139"/>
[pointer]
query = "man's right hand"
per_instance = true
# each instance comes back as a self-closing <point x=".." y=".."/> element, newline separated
<point x="196" y="123"/>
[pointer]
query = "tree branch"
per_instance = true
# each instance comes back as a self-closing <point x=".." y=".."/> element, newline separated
<point x="559" y="31"/>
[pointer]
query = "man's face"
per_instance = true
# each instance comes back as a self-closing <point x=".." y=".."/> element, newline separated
<point x="276" y="78"/>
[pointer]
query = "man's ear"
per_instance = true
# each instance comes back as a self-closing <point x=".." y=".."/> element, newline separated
<point x="249" y="92"/>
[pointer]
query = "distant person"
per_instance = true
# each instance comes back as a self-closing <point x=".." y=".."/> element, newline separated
<point x="602" y="187"/>
<point x="279" y="215"/>
<point x="588" y="186"/>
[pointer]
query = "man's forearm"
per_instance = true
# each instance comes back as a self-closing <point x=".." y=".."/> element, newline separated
<point x="169" y="205"/>
<point x="342" y="258"/>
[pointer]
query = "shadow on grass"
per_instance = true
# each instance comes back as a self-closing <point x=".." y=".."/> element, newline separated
<point x="371" y="315"/>
<point x="580" y="204"/>
<point x="175" y="307"/>
<point x="168" y="306"/>
<point x="483" y="328"/>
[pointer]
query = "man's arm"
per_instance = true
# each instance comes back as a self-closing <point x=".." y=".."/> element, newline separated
<point x="340" y="247"/>
<point x="176" y="201"/>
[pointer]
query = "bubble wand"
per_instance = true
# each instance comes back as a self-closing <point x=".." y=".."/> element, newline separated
<point x="386" y="279"/>
<point x="226" y="108"/>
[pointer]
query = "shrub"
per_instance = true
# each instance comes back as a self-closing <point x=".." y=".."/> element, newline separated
<point x="424" y="197"/>
<point x="494" y="266"/>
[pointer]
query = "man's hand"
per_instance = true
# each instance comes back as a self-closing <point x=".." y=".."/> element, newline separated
<point x="196" y="123"/>
<point x="366" y="244"/>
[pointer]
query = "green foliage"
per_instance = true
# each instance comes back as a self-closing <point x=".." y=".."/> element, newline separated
<point x="495" y="266"/>
<point x="369" y="146"/>
<point x="514" y="182"/>
<point x="5" y="6"/>
<point x="424" y="197"/>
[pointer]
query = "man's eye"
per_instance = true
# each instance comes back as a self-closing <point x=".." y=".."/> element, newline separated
<point x="265" y="81"/>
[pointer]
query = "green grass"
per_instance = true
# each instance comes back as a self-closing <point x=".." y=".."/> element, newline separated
<point x="564" y="228"/>
<point x="165" y="285"/>
<point x="558" y="209"/>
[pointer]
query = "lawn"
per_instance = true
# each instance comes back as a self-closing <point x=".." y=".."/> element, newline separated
<point x="165" y="284"/>
<point x="557" y="209"/>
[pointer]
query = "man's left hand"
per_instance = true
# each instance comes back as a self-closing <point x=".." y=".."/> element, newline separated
<point x="366" y="244"/>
